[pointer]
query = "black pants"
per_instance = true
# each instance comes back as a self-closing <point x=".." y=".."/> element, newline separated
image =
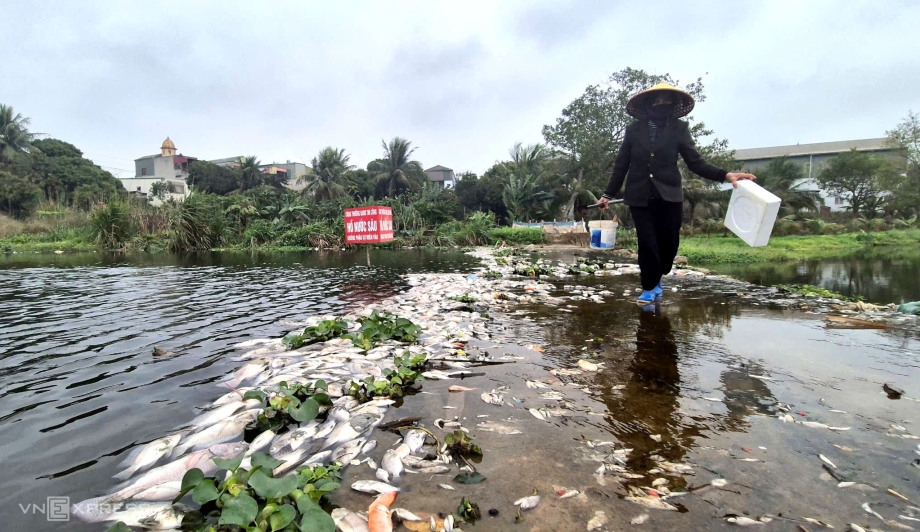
<point x="658" y="232"/>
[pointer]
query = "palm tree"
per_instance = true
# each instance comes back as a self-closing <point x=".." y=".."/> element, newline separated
<point x="395" y="172"/>
<point x="786" y="180"/>
<point x="530" y="159"/>
<point x="14" y="133"/>
<point x="250" y="173"/>
<point x="328" y="168"/>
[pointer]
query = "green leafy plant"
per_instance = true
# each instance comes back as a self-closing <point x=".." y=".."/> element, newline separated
<point x="395" y="382"/>
<point x="321" y="332"/>
<point x="297" y="403"/>
<point x="382" y="326"/>
<point x="254" y="499"/>
<point x="465" y="298"/>
<point x="461" y="444"/>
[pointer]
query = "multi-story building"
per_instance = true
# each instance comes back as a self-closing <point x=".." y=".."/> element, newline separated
<point x="167" y="167"/>
<point x="813" y="158"/>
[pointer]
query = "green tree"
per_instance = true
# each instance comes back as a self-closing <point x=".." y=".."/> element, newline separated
<point x="359" y="183"/>
<point x="591" y="129"/>
<point x="396" y="173"/>
<point x="786" y="180"/>
<point x="18" y="196"/>
<point x="210" y="178"/>
<point x="857" y="177"/>
<point x="65" y="176"/>
<point x="329" y="168"/>
<point x="250" y="173"/>
<point x="905" y="190"/>
<point x="14" y="133"/>
<point x="160" y="190"/>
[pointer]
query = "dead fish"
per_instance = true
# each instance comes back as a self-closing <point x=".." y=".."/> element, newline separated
<point x="457" y="388"/>
<point x="566" y="493"/>
<point x="827" y="461"/>
<point x="348" y="521"/>
<point x="446" y="487"/>
<point x="865" y="506"/>
<point x="845" y="484"/>
<point x="639" y="519"/>
<point x="373" y="486"/>
<point x="598" y="521"/>
<point x="536" y="384"/>
<point x="718" y="482"/>
<point x="816" y="522"/>
<point x="541" y="414"/>
<point x="652" y="502"/>
<point x="160" y="352"/>
<point x="814" y="424"/>
<point x="493" y="398"/>
<point x="147" y="455"/>
<point x="587" y="366"/>
<point x="744" y="521"/>
<point x="527" y="503"/>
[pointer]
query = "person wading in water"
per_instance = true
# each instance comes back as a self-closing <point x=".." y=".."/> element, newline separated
<point x="647" y="164"/>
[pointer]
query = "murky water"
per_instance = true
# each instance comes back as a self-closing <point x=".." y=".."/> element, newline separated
<point x="699" y="382"/>
<point x="79" y="384"/>
<point x="880" y="278"/>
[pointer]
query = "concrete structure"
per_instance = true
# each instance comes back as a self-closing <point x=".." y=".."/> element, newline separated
<point x="813" y="158"/>
<point x="293" y="170"/>
<point x="166" y="167"/>
<point x="441" y="175"/>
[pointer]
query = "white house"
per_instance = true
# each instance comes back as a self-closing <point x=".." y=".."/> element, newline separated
<point x="167" y="167"/>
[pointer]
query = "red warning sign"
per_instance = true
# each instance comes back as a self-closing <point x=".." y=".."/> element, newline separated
<point x="367" y="225"/>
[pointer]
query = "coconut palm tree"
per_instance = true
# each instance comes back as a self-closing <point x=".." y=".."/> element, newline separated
<point x="250" y="173"/>
<point x="395" y="172"/>
<point x="14" y="133"/>
<point x="329" y="167"/>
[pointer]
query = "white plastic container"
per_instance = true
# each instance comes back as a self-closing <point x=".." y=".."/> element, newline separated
<point x="752" y="213"/>
<point x="603" y="233"/>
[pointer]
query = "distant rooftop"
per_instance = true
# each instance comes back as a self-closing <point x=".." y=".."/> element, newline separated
<point x="818" y="148"/>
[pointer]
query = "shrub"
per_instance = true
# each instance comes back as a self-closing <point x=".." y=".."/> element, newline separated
<point x="516" y="235"/>
<point x="112" y="225"/>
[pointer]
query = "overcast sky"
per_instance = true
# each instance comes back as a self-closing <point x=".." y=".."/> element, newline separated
<point x="463" y="81"/>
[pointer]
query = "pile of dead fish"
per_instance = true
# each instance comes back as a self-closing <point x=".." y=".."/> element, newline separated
<point x="153" y="472"/>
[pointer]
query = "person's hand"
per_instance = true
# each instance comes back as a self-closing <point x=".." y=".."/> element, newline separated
<point x="602" y="203"/>
<point x="734" y="177"/>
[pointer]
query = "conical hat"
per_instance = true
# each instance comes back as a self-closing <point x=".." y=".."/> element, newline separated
<point x="636" y="105"/>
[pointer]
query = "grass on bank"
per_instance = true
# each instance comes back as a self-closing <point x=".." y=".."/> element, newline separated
<point x="714" y="249"/>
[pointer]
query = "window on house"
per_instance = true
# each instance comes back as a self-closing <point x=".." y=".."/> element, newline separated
<point x="143" y="171"/>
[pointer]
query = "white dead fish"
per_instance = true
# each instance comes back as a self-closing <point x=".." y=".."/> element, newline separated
<point x="261" y="441"/>
<point x="348" y="521"/>
<point x="148" y="455"/>
<point x="446" y="487"/>
<point x="166" y="491"/>
<point x="373" y="486"/>
<point x="827" y="461"/>
<point x="598" y="521"/>
<point x="639" y="519"/>
<point x="392" y="463"/>
<point x="817" y="522"/>
<point x="814" y="424"/>
<point x="537" y="384"/>
<point x="456" y="388"/>
<point x="865" y="506"/>
<point x="406" y="515"/>
<point x="744" y="521"/>
<point x="845" y="484"/>
<point x="718" y="482"/>
<point x="493" y="397"/>
<point x="652" y="502"/>
<point x="541" y="414"/>
<point x="527" y="503"/>
<point x="588" y="366"/>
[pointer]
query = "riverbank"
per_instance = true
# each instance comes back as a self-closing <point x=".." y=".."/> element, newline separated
<point x="724" y="404"/>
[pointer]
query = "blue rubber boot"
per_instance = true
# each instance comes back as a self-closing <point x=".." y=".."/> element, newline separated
<point x="646" y="297"/>
<point x="658" y="290"/>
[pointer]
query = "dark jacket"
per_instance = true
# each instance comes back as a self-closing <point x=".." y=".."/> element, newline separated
<point x="642" y="165"/>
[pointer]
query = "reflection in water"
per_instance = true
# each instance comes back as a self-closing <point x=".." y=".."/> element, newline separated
<point x="647" y="403"/>
<point x="745" y="395"/>
<point x="878" y="277"/>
